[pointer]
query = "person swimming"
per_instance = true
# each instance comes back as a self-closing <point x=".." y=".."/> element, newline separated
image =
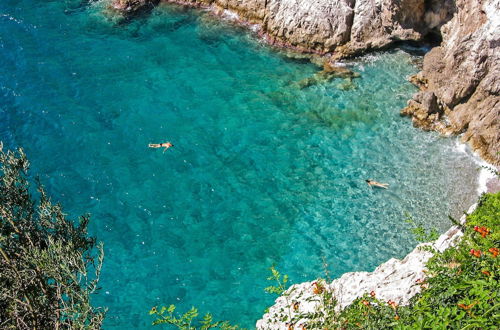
<point x="372" y="183"/>
<point x="165" y="145"/>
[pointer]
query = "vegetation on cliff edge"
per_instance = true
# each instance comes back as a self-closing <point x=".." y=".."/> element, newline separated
<point x="49" y="267"/>
<point x="461" y="290"/>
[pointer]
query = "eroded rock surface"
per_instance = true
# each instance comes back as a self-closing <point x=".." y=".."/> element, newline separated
<point x="343" y="27"/>
<point x="463" y="76"/>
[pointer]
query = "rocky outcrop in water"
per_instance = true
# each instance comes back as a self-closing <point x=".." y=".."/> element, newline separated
<point x="133" y="6"/>
<point x="343" y="27"/>
<point x="460" y="80"/>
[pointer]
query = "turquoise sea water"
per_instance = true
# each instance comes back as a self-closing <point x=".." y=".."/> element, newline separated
<point x="262" y="173"/>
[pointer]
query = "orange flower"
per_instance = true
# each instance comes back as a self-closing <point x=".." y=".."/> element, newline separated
<point x="318" y="288"/>
<point x="296" y="305"/>
<point x="467" y="307"/>
<point x="396" y="317"/>
<point x="372" y="294"/>
<point x="475" y="253"/>
<point x="393" y="304"/>
<point x="365" y="302"/>
<point x="482" y="230"/>
<point x="494" y="252"/>
<point x="485" y="272"/>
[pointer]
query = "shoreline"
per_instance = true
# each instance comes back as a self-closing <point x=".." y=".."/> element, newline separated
<point x="487" y="182"/>
<point x="395" y="279"/>
<point x="328" y="32"/>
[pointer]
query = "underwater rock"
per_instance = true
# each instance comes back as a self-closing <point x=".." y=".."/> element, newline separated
<point x="329" y="73"/>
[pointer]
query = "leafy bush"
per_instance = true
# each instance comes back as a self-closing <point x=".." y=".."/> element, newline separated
<point x="44" y="258"/>
<point x="461" y="290"/>
<point x="188" y="320"/>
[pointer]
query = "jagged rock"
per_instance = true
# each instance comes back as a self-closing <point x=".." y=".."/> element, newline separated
<point x="464" y="74"/>
<point x="425" y="110"/>
<point x="315" y="25"/>
<point x="132" y="6"/>
<point x="344" y="27"/>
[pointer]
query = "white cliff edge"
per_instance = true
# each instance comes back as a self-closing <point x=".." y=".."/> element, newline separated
<point x="395" y="280"/>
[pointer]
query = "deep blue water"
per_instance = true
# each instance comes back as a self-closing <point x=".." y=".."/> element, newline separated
<point x="262" y="172"/>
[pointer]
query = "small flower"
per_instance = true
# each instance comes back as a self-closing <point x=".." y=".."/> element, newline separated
<point x="482" y="230"/>
<point x="318" y="288"/>
<point x="452" y="265"/>
<point x="467" y="307"/>
<point x="372" y="294"/>
<point x="493" y="251"/>
<point x="422" y="283"/>
<point x="485" y="272"/>
<point x="475" y="253"/>
<point x="393" y="304"/>
<point x="396" y="317"/>
<point x="296" y="305"/>
<point x="365" y="302"/>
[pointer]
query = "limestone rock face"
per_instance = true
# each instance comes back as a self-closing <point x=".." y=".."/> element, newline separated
<point x="378" y="23"/>
<point x="316" y="25"/>
<point x="344" y="27"/>
<point x="253" y="11"/>
<point x="464" y="75"/>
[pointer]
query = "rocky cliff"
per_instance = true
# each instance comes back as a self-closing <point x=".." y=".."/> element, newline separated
<point x="459" y="83"/>
<point x="460" y="80"/>
<point x="396" y="280"/>
<point x="341" y="27"/>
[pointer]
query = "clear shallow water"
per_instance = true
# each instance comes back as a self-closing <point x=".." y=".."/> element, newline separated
<point x="262" y="172"/>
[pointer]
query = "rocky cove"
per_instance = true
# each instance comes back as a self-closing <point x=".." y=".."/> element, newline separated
<point x="270" y="160"/>
<point x="459" y="93"/>
<point x="459" y="82"/>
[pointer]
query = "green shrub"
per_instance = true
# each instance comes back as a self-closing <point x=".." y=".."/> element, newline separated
<point x="461" y="290"/>
<point x="188" y="320"/>
<point x="45" y="258"/>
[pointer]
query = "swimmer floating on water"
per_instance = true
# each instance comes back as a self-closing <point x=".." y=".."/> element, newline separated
<point x="372" y="183"/>
<point x="165" y="145"/>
